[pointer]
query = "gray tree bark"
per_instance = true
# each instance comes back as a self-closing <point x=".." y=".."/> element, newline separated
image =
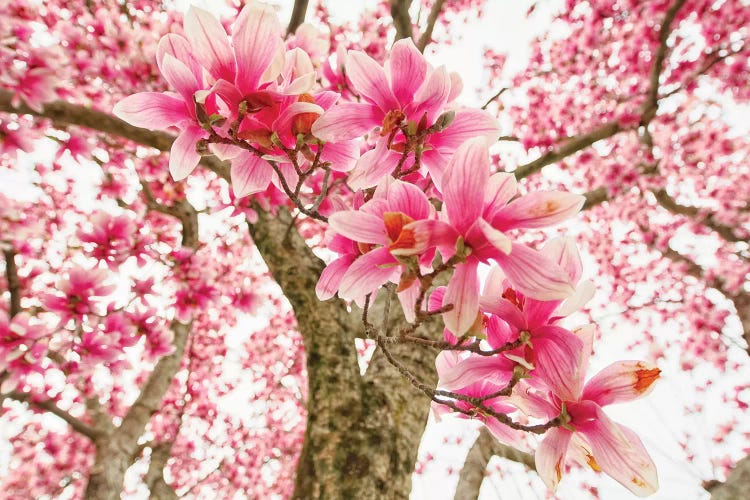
<point x="737" y="485"/>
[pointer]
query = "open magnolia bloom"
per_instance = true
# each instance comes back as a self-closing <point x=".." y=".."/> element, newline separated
<point x="549" y="350"/>
<point x="404" y="99"/>
<point x="588" y="436"/>
<point x="478" y="209"/>
<point x="379" y="232"/>
<point x="248" y="80"/>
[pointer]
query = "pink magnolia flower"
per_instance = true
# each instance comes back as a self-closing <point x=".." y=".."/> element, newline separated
<point x="445" y="364"/>
<point x="551" y="350"/>
<point x="18" y="334"/>
<point x="406" y="90"/>
<point x="111" y="236"/>
<point x="590" y="437"/>
<point x="79" y="293"/>
<point x="200" y="67"/>
<point x="372" y="239"/>
<point x="478" y="208"/>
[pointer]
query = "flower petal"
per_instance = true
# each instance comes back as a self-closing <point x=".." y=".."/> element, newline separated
<point x="408" y="199"/>
<point x="557" y="360"/>
<point x="256" y="34"/>
<point x="341" y="155"/>
<point x="431" y="97"/>
<point x="408" y="300"/>
<point x="538" y="209"/>
<point x="467" y="124"/>
<point x="585" y="291"/>
<point x="250" y="174"/>
<point x="181" y="79"/>
<point x="407" y="69"/>
<point x="619" y="452"/>
<point x="359" y="226"/>
<point x="331" y="277"/>
<point x="463" y="293"/>
<point x="464" y="184"/>
<point x="534" y="275"/>
<point x="179" y="48"/>
<point x="495" y="370"/>
<point x="368" y="273"/>
<point x="369" y="81"/>
<point x="347" y="120"/>
<point x="501" y="187"/>
<point x="152" y="110"/>
<point x="550" y="456"/>
<point x="621" y="382"/>
<point x="183" y="157"/>
<point x="209" y="42"/>
<point x="373" y="166"/>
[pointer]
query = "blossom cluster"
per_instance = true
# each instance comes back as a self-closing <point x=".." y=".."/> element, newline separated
<point x="402" y="177"/>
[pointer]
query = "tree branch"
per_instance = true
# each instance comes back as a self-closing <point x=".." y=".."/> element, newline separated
<point x="571" y="146"/>
<point x="154" y="477"/>
<point x="479" y="456"/>
<point x="651" y="104"/>
<point x="595" y="197"/>
<point x="50" y="406"/>
<point x="401" y="18"/>
<point x="14" y="286"/>
<point x="298" y="15"/>
<point x="432" y="18"/>
<point x="670" y="204"/>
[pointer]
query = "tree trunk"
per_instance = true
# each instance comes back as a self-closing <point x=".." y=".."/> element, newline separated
<point x="737" y="485"/>
<point x="362" y="433"/>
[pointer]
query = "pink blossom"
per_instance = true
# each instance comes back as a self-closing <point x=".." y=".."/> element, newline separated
<point x="478" y="209"/>
<point x="80" y="290"/>
<point x="589" y="437"/>
<point x="381" y="231"/>
<point x="406" y="92"/>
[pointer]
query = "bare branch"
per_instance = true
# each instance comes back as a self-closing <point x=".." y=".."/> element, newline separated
<point x="183" y="211"/>
<point x="571" y="146"/>
<point x="298" y="15"/>
<point x="651" y="104"/>
<point x="50" y="406"/>
<point x="708" y="220"/>
<point x="479" y="456"/>
<point x="595" y="197"/>
<point x="492" y="99"/>
<point x="154" y="478"/>
<point x="14" y="286"/>
<point x="401" y="18"/>
<point x="426" y="37"/>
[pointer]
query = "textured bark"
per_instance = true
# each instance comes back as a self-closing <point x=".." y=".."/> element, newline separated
<point x="14" y="286"/>
<point x="737" y="485"/>
<point x="154" y="478"/>
<point x="362" y="434"/>
<point x="479" y="456"/>
<point x="571" y="146"/>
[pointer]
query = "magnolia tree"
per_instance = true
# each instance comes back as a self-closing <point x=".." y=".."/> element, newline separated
<point x="334" y="247"/>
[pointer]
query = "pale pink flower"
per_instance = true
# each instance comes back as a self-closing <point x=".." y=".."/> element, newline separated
<point x="478" y="208"/>
<point x="80" y="291"/>
<point x="406" y="90"/>
<point x="589" y="437"/>
<point x="378" y="233"/>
